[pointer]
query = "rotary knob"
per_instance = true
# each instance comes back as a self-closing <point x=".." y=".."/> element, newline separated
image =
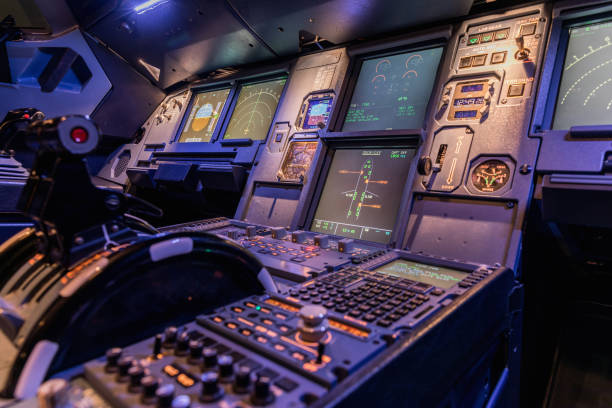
<point x="149" y="386"/>
<point x="424" y="166"/>
<point x="251" y="231"/>
<point x="136" y="373"/>
<point x="170" y="335"/>
<point x="195" y="351"/>
<point x="165" y="395"/>
<point x="346" y="245"/>
<point x="181" y="401"/>
<point x="299" y="237"/>
<point x="210" y="358"/>
<point x="242" y="382"/>
<point x="279" y="233"/>
<point x="313" y="323"/>
<point x="261" y="392"/>
<point x="322" y="241"/>
<point x="112" y="358"/>
<point x="123" y="366"/>
<point x="210" y="387"/>
<point x="182" y="344"/>
<point x="226" y="368"/>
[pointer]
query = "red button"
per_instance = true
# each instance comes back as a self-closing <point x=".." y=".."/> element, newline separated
<point x="79" y="135"/>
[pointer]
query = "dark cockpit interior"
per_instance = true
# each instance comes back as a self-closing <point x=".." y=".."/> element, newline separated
<point x="240" y="203"/>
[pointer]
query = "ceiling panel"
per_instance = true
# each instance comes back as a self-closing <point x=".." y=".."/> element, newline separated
<point x="178" y="37"/>
<point x="278" y="22"/>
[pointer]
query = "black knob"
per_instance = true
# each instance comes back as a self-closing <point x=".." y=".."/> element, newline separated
<point x="210" y="387"/>
<point x="261" y="393"/>
<point x="157" y="345"/>
<point x="123" y="365"/>
<point x="136" y="373"/>
<point x="182" y="344"/>
<point x="242" y="383"/>
<point x="170" y="336"/>
<point x="226" y="368"/>
<point x="424" y="166"/>
<point x="112" y="358"/>
<point x="195" y="351"/>
<point x="320" y="352"/>
<point x="210" y="358"/>
<point x="165" y="395"/>
<point x="181" y="401"/>
<point x="149" y="385"/>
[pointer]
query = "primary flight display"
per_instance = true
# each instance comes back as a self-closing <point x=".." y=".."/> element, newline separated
<point x="362" y="193"/>
<point x="204" y="116"/>
<point x="392" y="92"/>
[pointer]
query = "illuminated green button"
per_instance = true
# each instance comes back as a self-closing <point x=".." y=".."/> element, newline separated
<point x="473" y="39"/>
<point x="502" y="34"/>
<point x="486" y="37"/>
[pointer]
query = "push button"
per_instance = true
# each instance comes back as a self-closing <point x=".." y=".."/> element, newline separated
<point x="516" y="90"/>
<point x="498" y="57"/>
<point x="479" y="60"/>
<point x="501" y="35"/>
<point x="486" y="37"/>
<point x="528" y="29"/>
<point x="465" y="62"/>
<point x="473" y="39"/>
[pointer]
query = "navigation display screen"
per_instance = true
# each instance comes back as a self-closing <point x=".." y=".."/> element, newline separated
<point x="433" y="275"/>
<point x="586" y="85"/>
<point x="255" y="110"/>
<point x="318" y="112"/>
<point x="204" y="116"/>
<point x="392" y="92"/>
<point x="361" y="196"/>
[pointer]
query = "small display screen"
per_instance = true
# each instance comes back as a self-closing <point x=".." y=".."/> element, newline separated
<point x="255" y="110"/>
<point x="433" y="275"/>
<point x="465" y="114"/>
<point x="585" y="87"/>
<point x="469" y="101"/>
<point x="362" y="193"/>
<point x="392" y="92"/>
<point x="472" y="88"/>
<point x="204" y="116"/>
<point x="318" y="111"/>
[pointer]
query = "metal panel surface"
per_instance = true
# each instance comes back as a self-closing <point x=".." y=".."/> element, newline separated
<point x="179" y="38"/>
<point x="340" y="21"/>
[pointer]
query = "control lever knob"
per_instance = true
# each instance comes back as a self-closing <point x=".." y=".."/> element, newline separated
<point x="210" y="387"/>
<point x="226" y="368"/>
<point x="157" y="345"/>
<point x="251" y="231"/>
<point x="210" y="358"/>
<point x="346" y="245"/>
<point x="243" y="380"/>
<point x="522" y="53"/>
<point x="299" y="237"/>
<point x="322" y="241"/>
<point x="279" y="233"/>
<point x="313" y="323"/>
<point x="261" y="393"/>
<point x="424" y="166"/>
<point x="112" y="358"/>
<point x="233" y="234"/>
<point x="165" y="395"/>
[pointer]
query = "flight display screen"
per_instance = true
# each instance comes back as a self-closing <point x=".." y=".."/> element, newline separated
<point x="392" y="92"/>
<point x="433" y="275"/>
<point x="255" y="110"/>
<point x="362" y="194"/>
<point x="318" y="112"/>
<point x="586" y="86"/>
<point x="204" y="116"/>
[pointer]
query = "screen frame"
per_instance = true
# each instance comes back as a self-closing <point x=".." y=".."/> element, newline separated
<point x="556" y="53"/>
<point x="327" y="156"/>
<point x="194" y="94"/>
<point x="426" y="40"/>
<point x="232" y="105"/>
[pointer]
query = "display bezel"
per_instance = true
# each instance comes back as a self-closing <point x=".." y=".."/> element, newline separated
<point x="358" y="57"/>
<point x="330" y="148"/>
<point x="194" y="94"/>
<point x="228" y="108"/>
<point x="556" y="56"/>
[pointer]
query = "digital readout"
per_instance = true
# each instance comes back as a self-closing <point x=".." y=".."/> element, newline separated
<point x="469" y="101"/>
<point x="465" y="114"/>
<point x="472" y="88"/>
